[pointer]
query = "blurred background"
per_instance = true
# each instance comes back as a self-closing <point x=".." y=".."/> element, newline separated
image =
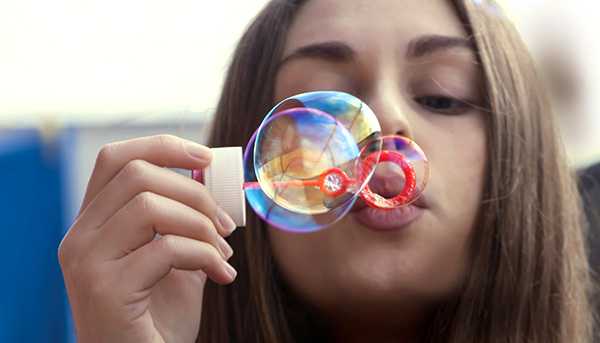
<point x="76" y="74"/>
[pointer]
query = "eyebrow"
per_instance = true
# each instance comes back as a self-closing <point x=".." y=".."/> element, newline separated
<point x="427" y="45"/>
<point x="340" y="52"/>
<point x="333" y="51"/>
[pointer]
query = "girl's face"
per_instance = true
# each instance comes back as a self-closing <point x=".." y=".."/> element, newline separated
<point x="412" y="62"/>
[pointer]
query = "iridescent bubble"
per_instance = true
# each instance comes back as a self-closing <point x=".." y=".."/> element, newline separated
<point x="398" y="172"/>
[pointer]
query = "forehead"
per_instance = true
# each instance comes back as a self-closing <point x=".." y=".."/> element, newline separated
<point x="368" y="22"/>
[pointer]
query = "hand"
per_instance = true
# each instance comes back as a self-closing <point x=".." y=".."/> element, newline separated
<point x="125" y="284"/>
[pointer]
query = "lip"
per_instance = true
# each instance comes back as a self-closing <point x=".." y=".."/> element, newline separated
<point x="388" y="219"/>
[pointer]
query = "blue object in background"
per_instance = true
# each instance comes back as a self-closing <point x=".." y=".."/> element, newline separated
<point x="33" y="305"/>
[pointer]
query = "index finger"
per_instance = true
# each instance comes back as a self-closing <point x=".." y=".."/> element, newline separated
<point x="161" y="150"/>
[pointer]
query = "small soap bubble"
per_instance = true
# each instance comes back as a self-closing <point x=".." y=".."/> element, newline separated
<point x="399" y="172"/>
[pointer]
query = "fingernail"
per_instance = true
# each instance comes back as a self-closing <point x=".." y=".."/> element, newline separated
<point x="229" y="269"/>
<point x="199" y="152"/>
<point x="225" y="248"/>
<point x="226" y="222"/>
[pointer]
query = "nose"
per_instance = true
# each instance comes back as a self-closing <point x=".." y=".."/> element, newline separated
<point x="391" y="109"/>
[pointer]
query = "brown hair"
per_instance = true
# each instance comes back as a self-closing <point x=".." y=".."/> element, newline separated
<point x="528" y="281"/>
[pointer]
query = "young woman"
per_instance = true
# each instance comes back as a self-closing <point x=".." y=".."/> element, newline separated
<point x="494" y="253"/>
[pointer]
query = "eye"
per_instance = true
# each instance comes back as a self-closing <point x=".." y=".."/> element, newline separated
<point x="442" y="104"/>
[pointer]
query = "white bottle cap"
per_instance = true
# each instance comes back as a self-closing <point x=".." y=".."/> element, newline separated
<point x="224" y="178"/>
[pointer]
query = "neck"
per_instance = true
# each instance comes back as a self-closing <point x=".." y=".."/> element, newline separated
<point x="381" y="329"/>
<point x="355" y="336"/>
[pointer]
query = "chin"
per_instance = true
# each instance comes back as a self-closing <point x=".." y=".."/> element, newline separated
<point x="386" y="276"/>
<point x="375" y="296"/>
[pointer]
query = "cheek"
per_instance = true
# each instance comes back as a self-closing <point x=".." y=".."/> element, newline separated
<point x="458" y="158"/>
<point x="467" y="171"/>
<point x="458" y="171"/>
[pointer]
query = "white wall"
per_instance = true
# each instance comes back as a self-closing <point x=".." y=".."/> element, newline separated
<point x="94" y="61"/>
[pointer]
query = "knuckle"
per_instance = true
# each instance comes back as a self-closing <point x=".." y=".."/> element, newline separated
<point x="168" y="140"/>
<point x="106" y="153"/>
<point x="145" y="202"/>
<point x="71" y="263"/>
<point x="168" y="144"/>
<point x="170" y="245"/>
<point x="67" y="253"/>
<point x="135" y="171"/>
<point x="63" y="253"/>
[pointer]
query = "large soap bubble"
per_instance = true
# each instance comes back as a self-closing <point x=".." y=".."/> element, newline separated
<point x="304" y="167"/>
